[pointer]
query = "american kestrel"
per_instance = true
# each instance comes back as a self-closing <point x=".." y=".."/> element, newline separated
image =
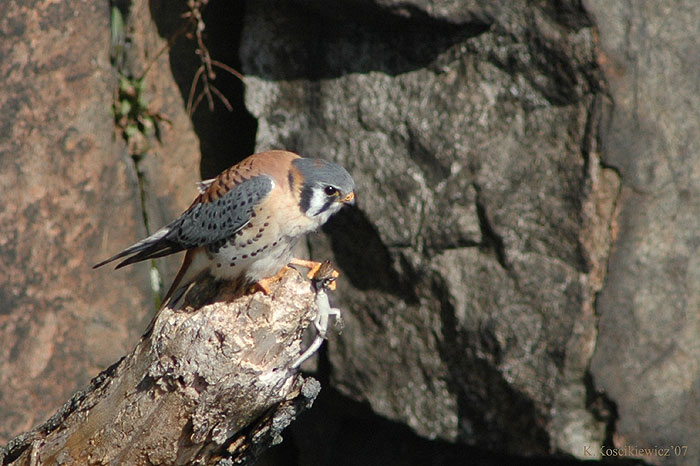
<point x="245" y="223"/>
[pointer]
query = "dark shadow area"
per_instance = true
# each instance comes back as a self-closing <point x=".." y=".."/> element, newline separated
<point x="339" y="431"/>
<point x="225" y="137"/>
<point x="571" y="15"/>
<point x="491" y="240"/>
<point x="602" y="406"/>
<point x="323" y="40"/>
<point x="361" y="254"/>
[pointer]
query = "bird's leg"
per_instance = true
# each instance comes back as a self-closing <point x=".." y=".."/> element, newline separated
<point x="264" y="284"/>
<point x="318" y="271"/>
<point x="313" y="267"/>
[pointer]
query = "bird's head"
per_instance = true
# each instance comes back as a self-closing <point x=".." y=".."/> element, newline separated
<point x="326" y="188"/>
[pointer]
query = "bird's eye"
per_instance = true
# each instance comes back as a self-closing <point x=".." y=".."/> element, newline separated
<point x="330" y="191"/>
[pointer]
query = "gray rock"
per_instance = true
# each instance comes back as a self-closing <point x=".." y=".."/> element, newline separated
<point x="647" y="352"/>
<point x="69" y="191"/>
<point x="499" y="148"/>
<point x="72" y="198"/>
<point x="471" y="267"/>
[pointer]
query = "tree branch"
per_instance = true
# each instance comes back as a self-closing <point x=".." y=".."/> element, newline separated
<point x="212" y="383"/>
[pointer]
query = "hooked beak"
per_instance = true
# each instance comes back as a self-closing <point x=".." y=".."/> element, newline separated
<point x="349" y="199"/>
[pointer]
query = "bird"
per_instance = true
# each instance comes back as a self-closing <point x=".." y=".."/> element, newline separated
<point x="244" y="224"/>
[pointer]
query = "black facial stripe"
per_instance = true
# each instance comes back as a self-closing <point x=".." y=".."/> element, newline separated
<point x="325" y="207"/>
<point x="305" y="201"/>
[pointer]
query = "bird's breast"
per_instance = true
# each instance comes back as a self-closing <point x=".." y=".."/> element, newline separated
<point x="259" y="249"/>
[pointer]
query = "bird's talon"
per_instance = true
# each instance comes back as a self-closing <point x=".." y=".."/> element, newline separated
<point x="264" y="284"/>
<point x="313" y="266"/>
<point x="261" y="285"/>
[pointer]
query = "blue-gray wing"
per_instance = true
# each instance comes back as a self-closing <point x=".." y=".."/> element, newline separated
<point x="208" y="222"/>
<point x="218" y="214"/>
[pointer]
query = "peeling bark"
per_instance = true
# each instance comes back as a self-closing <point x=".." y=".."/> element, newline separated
<point x="211" y="383"/>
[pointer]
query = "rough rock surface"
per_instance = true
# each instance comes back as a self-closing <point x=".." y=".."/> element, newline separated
<point x="69" y="189"/>
<point x="473" y="262"/>
<point x="71" y="198"/>
<point x="647" y="352"/>
<point x="499" y="147"/>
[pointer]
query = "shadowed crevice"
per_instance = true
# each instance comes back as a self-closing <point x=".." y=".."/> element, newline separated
<point x="491" y="241"/>
<point x="603" y="408"/>
<point x="340" y="431"/>
<point x="225" y="137"/>
<point x="372" y="38"/>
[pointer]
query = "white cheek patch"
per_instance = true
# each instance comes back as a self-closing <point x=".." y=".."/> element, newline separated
<point x="316" y="203"/>
<point x="322" y="207"/>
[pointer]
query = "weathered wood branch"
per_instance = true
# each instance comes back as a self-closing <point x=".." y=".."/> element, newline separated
<point x="211" y="383"/>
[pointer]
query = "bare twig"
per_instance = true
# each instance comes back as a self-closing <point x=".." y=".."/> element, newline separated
<point x="205" y="73"/>
<point x="225" y="67"/>
<point x="221" y="97"/>
<point x="193" y="88"/>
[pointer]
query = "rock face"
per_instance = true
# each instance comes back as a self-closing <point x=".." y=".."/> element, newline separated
<point x="521" y="272"/>
<point x="473" y="263"/>
<point x="71" y="197"/>
<point x="69" y="190"/>
<point x="647" y="352"/>
<point x="488" y="207"/>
